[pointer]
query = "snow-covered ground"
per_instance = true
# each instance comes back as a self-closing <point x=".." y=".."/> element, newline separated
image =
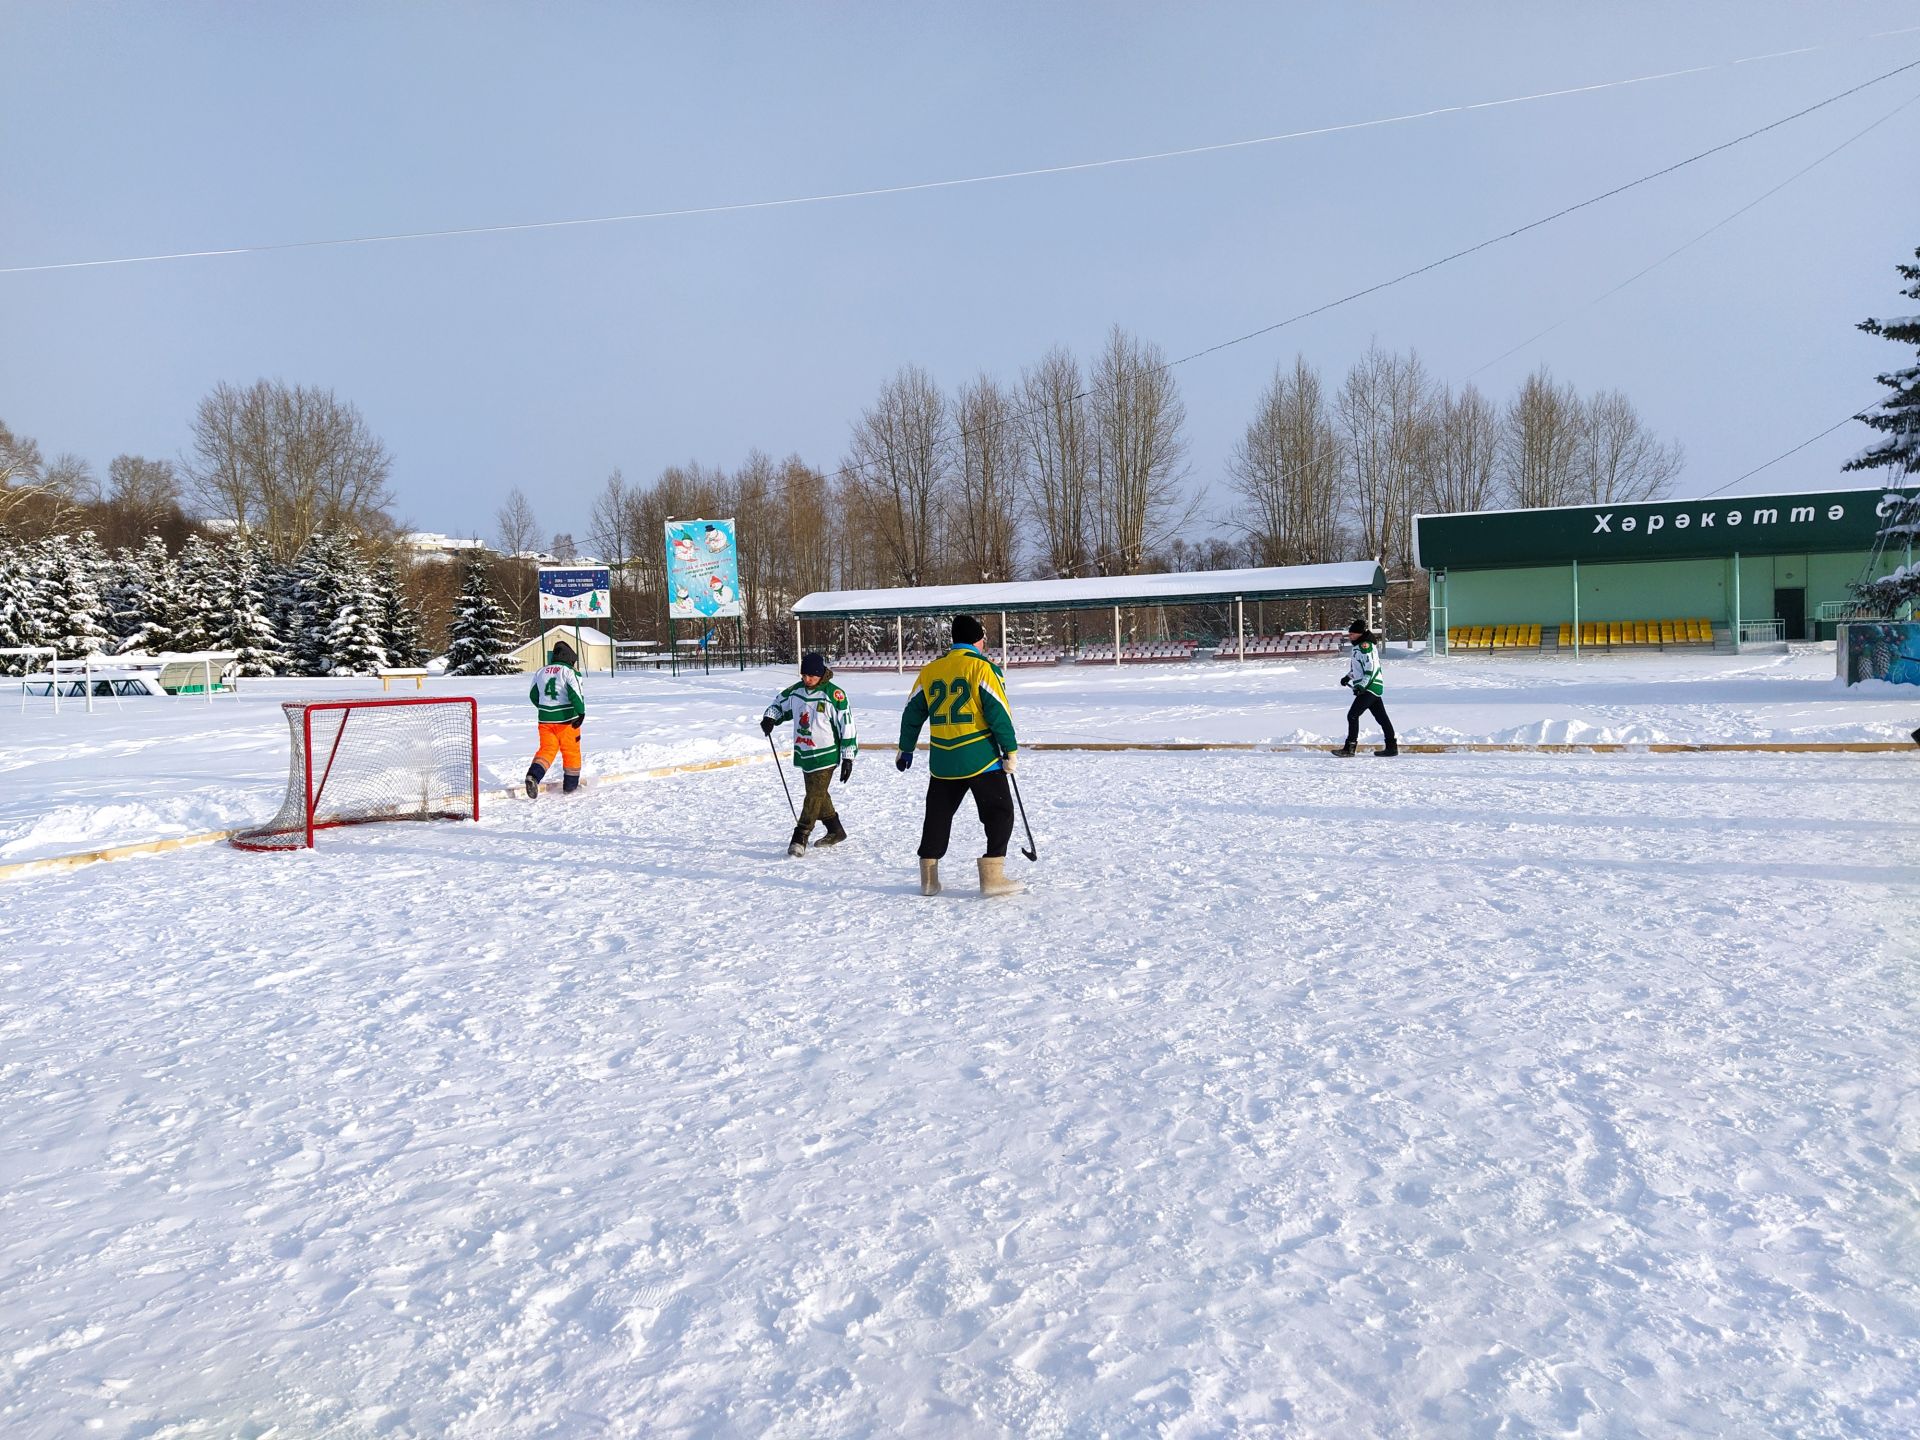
<point x="150" y="769"/>
<point x="1466" y="1094"/>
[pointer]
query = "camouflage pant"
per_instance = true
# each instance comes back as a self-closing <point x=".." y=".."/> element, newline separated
<point x="818" y="804"/>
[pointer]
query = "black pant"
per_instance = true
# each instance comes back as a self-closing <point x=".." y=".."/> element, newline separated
<point x="992" y="797"/>
<point x="1365" y="702"/>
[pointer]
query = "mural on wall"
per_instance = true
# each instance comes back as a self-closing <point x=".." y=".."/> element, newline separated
<point x="1881" y="650"/>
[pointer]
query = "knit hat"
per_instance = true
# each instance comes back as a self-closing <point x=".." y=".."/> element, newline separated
<point x="1358" y="627"/>
<point x="813" y="663"/>
<point x="967" y="630"/>
<point x="563" y="653"/>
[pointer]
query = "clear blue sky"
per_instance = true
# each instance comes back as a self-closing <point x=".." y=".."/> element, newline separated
<point x="544" y="359"/>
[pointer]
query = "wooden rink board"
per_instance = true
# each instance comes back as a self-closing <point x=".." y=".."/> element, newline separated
<point x="50" y="864"/>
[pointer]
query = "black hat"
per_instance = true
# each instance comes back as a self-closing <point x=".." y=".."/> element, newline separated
<point x="967" y="630"/>
<point x="1358" y="627"/>
<point x="813" y="663"/>
<point x="563" y="654"/>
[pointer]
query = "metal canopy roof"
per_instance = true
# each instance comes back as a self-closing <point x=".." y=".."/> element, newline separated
<point x="1200" y="587"/>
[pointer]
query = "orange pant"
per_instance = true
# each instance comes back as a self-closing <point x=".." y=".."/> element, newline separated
<point x="561" y="739"/>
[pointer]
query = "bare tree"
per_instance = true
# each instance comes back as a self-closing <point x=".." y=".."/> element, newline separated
<point x="288" y="462"/>
<point x="1540" y="437"/>
<point x="900" y="468"/>
<point x="514" y="525"/>
<point x="22" y="472"/>
<point x="1463" y="458"/>
<point x="1139" y="450"/>
<point x="1620" y="459"/>
<point x="1287" y="467"/>
<point x="144" y="490"/>
<point x="71" y="477"/>
<point x="1384" y="409"/>
<point x="607" y="522"/>
<point x="992" y="477"/>
<point x="1055" y="432"/>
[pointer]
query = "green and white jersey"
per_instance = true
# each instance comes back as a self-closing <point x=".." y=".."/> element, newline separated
<point x="822" y="723"/>
<point x="1363" y="665"/>
<point x="556" y="690"/>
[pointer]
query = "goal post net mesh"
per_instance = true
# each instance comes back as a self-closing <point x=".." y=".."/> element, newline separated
<point x="357" y="762"/>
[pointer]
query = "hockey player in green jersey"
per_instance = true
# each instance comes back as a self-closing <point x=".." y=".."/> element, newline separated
<point x="823" y="738"/>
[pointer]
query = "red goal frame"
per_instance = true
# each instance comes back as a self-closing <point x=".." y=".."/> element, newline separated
<point x="316" y="791"/>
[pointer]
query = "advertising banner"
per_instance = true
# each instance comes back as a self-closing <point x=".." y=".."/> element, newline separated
<point x="575" y="592"/>
<point x="1880" y="650"/>
<point x="703" y="570"/>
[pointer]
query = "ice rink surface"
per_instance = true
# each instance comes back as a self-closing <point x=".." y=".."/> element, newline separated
<point x="1452" y="1095"/>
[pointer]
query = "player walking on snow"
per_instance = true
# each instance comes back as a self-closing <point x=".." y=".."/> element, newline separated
<point x="963" y="697"/>
<point x="822" y="738"/>
<point x="562" y="706"/>
<point x="1365" y="676"/>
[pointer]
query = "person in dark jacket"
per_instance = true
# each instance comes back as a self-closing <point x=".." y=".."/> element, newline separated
<point x="1366" y="678"/>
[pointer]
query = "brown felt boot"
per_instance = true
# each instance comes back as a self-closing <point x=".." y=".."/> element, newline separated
<point x="929" y="877"/>
<point x="993" y="877"/>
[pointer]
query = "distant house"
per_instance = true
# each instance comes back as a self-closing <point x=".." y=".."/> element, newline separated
<point x="595" y="649"/>
<point x="426" y="545"/>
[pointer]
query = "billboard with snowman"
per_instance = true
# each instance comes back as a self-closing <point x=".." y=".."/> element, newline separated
<point x="703" y="570"/>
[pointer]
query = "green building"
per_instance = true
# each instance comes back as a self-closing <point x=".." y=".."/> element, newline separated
<point x="1759" y="567"/>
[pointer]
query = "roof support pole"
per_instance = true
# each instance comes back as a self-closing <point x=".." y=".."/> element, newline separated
<point x="1116" y="637"/>
<point x="1736" y="602"/>
<point x="1576" y="609"/>
<point x="798" y="648"/>
<point x="1240" y="622"/>
<point x="900" y="644"/>
<point x="1003" y="639"/>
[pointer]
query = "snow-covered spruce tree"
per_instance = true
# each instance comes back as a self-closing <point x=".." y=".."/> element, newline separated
<point x="396" y="619"/>
<point x="140" y="599"/>
<point x="336" y="605"/>
<point x="243" y="623"/>
<point x="482" y="635"/>
<point x="1897" y="451"/>
<point x="196" y="595"/>
<point x="19" y="617"/>
<point x="72" y="609"/>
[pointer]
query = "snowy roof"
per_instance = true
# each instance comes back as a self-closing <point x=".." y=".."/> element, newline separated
<point x="1198" y="587"/>
<point x="587" y="633"/>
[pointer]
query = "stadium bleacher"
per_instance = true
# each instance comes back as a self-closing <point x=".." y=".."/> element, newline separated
<point x="1148" y="652"/>
<point x="1594" y="634"/>
<point x="1274" y="647"/>
<point x="1639" y="634"/>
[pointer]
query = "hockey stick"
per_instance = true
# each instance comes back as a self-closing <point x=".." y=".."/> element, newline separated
<point x="1030" y="850"/>
<point x="783" y="776"/>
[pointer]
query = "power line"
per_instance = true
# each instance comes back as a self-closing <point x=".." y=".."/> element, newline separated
<point x="884" y="190"/>
<point x="1688" y="245"/>
<point x="1617" y="190"/>
<point x="1859" y="414"/>
<point x="1559" y="214"/>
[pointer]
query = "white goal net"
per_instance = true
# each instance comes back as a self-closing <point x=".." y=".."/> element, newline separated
<point x="354" y="762"/>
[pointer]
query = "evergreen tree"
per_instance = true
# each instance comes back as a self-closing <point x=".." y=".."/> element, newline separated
<point x="482" y="635"/>
<point x="196" y="596"/>
<point x="243" y="622"/>
<point x="396" y="620"/>
<point x="19" y="618"/>
<point x="1897" y="450"/>
<point x="140" y="599"/>
<point x="337" y="609"/>
<point x="73" y="609"/>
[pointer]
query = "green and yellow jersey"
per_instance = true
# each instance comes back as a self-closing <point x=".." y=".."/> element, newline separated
<point x="962" y="697"/>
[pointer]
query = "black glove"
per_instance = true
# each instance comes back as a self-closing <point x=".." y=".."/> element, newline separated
<point x="766" y="724"/>
<point x="1346" y="680"/>
<point x="578" y="720"/>
<point x="846" y="771"/>
<point x="904" y="760"/>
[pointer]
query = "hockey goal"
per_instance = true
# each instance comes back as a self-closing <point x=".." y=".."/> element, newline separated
<point x="355" y="762"/>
